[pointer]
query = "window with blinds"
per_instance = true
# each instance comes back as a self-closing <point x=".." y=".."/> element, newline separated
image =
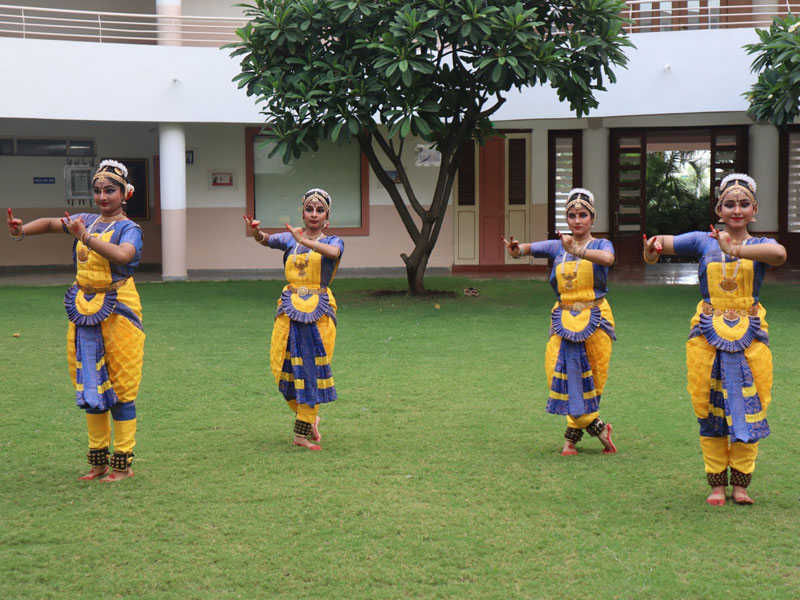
<point x="564" y="162"/>
<point x="517" y="170"/>
<point x="793" y="184"/>
<point x="465" y="190"/>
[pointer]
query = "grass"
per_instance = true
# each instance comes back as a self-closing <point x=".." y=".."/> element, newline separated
<point x="440" y="476"/>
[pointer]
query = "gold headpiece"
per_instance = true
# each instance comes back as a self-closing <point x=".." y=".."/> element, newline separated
<point x="580" y="197"/>
<point x="116" y="171"/>
<point x="317" y="194"/>
<point x="737" y="181"/>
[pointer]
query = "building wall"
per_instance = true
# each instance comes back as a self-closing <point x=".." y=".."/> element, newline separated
<point x="193" y="84"/>
<point x="665" y="85"/>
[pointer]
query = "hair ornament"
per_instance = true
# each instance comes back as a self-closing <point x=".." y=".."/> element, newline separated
<point x="580" y="197"/>
<point x="115" y="164"/>
<point x="737" y="180"/>
<point x="318" y="194"/>
<point x="741" y="179"/>
<point x="116" y="171"/>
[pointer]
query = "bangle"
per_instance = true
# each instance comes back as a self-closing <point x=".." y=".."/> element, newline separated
<point x="316" y="246"/>
<point x="263" y="237"/>
<point x="85" y="233"/>
<point x="18" y="238"/>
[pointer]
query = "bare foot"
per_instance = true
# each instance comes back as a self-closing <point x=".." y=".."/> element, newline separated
<point x="117" y="476"/>
<point x="315" y="434"/>
<point x="94" y="473"/>
<point x="569" y="449"/>
<point x="740" y="495"/>
<point x="301" y="441"/>
<point x="605" y="439"/>
<point x="717" y="496"/>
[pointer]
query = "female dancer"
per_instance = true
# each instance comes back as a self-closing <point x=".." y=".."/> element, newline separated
<point x="727" y="355"/>
<point x="582" y="326"/>
<point x="105" y="340"/>
<point x="304" y="332"/>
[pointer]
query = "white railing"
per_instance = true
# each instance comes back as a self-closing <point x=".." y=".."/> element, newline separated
<point x="114" y="27"/>
<point x="140" y="28"/>
<point x="680" y="15"/>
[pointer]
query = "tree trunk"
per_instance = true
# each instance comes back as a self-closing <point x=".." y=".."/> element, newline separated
<point x="425" y="235"/>
<point x="415" y="272"/>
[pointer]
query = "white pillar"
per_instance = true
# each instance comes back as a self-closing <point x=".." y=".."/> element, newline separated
<point x="172" y="161"/>
<point x="169" y="30"/>
<point x="595" y="173"/>
<point x="764" y="169"/>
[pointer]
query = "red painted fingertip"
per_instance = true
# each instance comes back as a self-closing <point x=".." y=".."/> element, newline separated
<point x="644" y="237"/>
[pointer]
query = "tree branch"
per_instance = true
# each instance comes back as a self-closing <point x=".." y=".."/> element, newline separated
<point x="396" y="159"/>
<point x="364" y="140"/>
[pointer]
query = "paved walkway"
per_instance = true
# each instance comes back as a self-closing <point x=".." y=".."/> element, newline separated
<point x="678" y="274"/>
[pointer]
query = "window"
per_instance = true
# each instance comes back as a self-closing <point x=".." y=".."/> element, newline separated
<point x="793" y="184"/>
<point x="789" y="186"/>
<point x="274" y="189"/>
<point x="46" y="147"/>
<point x="565" y="171"/>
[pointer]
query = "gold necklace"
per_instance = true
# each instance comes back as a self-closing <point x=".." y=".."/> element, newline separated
<point x="84" y="250"/>
<point x="303" y="262"/>
<point x="569" y="277"/>
<point x="728" y="284"/>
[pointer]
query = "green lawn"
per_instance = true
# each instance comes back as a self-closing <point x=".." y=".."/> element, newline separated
<point x="440" y="476"/>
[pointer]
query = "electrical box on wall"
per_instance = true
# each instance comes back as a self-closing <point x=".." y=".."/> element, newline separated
<point x="78" y="180"/>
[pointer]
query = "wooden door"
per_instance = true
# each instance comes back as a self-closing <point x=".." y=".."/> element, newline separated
<point x="465" y="199"/>
<point x="518" y="185"/>
<point x="628" y="192"/>
<point x="491" y="205"/>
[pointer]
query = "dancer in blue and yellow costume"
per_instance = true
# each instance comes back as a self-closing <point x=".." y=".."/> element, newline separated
<point x="582" y="326"/>
<point x="304" y="331"/>
<point x="727" y="356"/>
<point x="105" y="340"/>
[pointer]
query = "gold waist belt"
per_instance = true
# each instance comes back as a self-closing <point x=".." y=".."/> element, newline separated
<point x="102" y="290"/>
<point x="305" y="291"/>
<point x="580" y="305"/>
<point x="730" y="313"/>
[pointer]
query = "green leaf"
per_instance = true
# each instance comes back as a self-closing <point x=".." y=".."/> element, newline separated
<point x="406" y="127"/>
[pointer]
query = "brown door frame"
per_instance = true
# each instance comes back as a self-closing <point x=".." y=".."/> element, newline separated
<point x="790" y="240"/>
<point x="627" y="245"/>
<point x="629" y="249"/>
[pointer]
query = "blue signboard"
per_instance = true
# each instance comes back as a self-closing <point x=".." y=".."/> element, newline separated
<point x="44" y="180"/>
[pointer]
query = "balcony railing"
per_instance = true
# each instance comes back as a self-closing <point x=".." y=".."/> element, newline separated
<point x="139" y="28"/>
<point x="679" y="15"/>
<point x="114" y="27"/>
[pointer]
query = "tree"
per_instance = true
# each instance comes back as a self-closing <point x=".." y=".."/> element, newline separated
<point x="775" y="96"/>
<point x="381" y="71"/>
<point x="677" y="193"/>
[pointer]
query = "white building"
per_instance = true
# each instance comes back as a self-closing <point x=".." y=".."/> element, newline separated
<point x="145" y="82"/>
